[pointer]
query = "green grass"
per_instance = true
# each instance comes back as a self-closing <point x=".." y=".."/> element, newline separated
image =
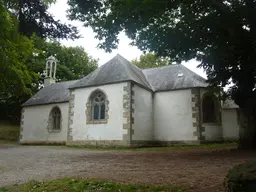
<point x="9" y="132"/>
<point x="2" y="168"/>
<point x="85" y="185"/>
<point x="8" y="142"/>
<point x="177" y="147"/>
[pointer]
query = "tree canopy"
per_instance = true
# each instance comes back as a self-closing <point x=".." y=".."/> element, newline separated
<point x="34" y="18"/>
<point x="25" y="28"/>
<point x="220" y="34"/>
<point x="15" y="49"/>
<point x="151" y="60"/>
<point x="73" y="62"/>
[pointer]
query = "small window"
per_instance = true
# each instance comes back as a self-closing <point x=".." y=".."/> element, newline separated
<point x="209" y="109"/>
<point x="55" y="119"/>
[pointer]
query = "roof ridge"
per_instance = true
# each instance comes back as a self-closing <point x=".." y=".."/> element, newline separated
<point x="136" y="68"/>
<point x="69" y="81"/>
<point x="166" y="66"/>
<point x="121" y="70"/>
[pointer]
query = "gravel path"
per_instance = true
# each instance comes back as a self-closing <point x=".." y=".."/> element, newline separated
<point x="198" y="169"/>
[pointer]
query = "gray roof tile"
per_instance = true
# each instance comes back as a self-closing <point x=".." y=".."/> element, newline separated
<point x="116" y="70"/>
<point x="54" y="93"/>
<point x="173" y="77"/>
<point x="229" y="104"/>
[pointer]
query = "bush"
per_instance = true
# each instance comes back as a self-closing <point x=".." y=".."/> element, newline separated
<point x="241" y="178"/>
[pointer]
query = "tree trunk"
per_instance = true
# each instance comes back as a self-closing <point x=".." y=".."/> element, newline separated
<point x="247" y="118"/>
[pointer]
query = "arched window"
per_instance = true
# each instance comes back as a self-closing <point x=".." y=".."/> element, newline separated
<point x="209" y="109"/>
<point x="48" y="69"/>
<point x="53" y="69"/>
<point x="97" y="108"/>
<point x="55" y="119"/>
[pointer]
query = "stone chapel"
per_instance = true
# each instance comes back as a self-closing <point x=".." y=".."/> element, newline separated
<point x="120" y="104"/>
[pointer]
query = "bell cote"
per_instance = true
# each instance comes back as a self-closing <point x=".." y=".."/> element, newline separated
<point x="50" y="71"/>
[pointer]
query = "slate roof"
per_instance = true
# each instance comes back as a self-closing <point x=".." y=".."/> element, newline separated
<point x="118" y="70"/>
<point x="229" y="104"/>
<point x="173" y="77"/>
<point x="54" y="93"/>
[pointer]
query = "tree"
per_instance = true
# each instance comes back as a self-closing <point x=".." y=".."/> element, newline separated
<point x="34" y="18"/>
<point x="15" y="49"/>
<point x="23" y="24"/>
<point x="219" y="34"/>
<point x="151" y="60"/>
<point x="73" y="63"/>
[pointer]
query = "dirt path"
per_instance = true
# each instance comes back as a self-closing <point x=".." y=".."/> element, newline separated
<point x="199" y="169"/>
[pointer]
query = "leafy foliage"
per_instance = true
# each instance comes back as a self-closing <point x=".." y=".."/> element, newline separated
<point x="220" y="34"/>
<point x="15" y="49"/>
<point x="34" y="18"/>
<point x="73" y="62"/>
<point x="150" y="60"/>
<point x="24" y="27"/>
<point x="78" y="185"/>
<point x="241" y="178"/>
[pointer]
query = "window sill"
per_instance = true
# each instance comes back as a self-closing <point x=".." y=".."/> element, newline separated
<point x="54" y="131"/>
<point x="97" y="122"/>
<point x="213" y="124"/>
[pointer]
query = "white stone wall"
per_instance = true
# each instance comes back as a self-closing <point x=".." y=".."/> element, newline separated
<point x="173" y="116"/>
<point x="113" y="129"/>
<point x="143" y="114"/>
<point x="35" y="124"/>
<point x="230" y="124"/>
<point x="213" y="131"/>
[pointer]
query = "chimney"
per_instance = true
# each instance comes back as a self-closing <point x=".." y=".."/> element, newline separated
<point x="50" y="71"/>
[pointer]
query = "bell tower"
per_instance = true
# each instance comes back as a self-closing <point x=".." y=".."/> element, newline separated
<point x="50" y="70"/>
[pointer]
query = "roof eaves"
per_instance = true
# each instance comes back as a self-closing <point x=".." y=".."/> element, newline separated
<point x="176" y="89"/>
<point x="117" y="82"/>
<point x="97" y="85"/>
<point x="39" y="104"/>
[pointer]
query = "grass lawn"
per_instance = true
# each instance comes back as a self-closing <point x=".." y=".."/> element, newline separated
<point x="8" y="142"/>
<point x="9" y="132"/>
<point x="85" y="185"/>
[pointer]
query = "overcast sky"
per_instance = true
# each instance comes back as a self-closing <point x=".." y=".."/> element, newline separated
<point x="90" y="43"/>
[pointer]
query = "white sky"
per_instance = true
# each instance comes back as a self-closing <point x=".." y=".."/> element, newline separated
<point x="90" y="43"/>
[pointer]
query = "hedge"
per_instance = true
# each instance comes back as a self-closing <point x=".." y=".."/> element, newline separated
<point x="241" y="178"/>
